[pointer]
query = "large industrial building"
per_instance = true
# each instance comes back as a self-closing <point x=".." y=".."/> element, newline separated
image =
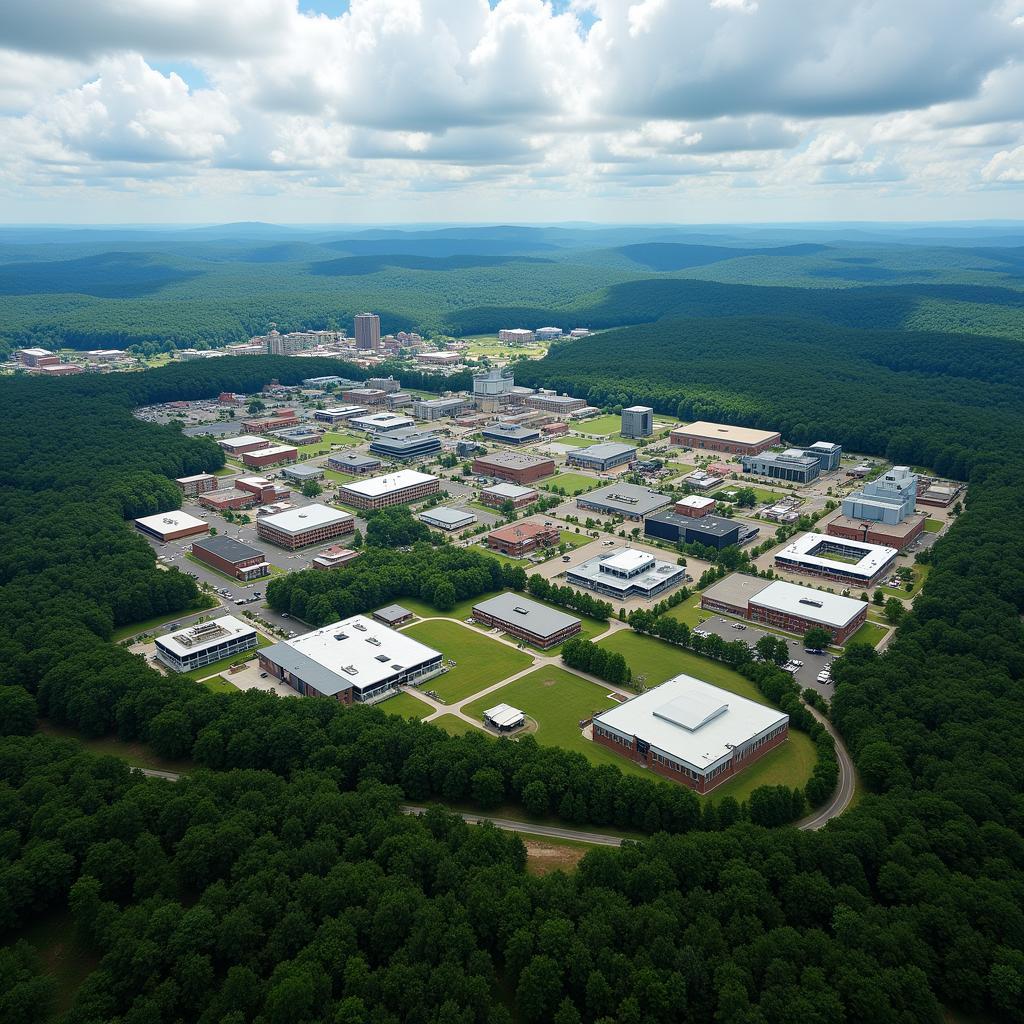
<point x="535" y="623"/>
<point x="438" y="408"/>
<point x="626" y="573"/>
<point x="197" y="484"/>
<point x="516" y="336"/>
<point x="493" y="389"/>
<point x="519" y="539"/>
<point x="509" y="433"/>
<point x="516" y="467"/>
<point x="232" y="557"/>
<point x="406" y="444"/>
<point x="893" y="535"/>
<point x="272" y="456"/>
<point x="637" y="421"/>
<point x="393" y="489"/>
<point x="560" y="405"/>
<point x="205" y="643"/>
<point x="888" y="499"/>
<point x="308" y="524"/>
<point x="172" y="525"/>
<point x="497" y="495"/>
<point x="711" y="531"/>
<point x="785" y="605"/>
<point x="692" y="732"/>
<point x="631" y="501"/>
<point x="721" y="437"/>
<point x="792" y="465"/>
<point x="602" y="457"/>
<point x="850" y="562"/>
<point x="354" y="660"/>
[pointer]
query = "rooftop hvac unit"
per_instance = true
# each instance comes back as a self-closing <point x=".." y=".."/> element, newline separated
<point x="521" y="611"/>
<point x="350" y="670"/>
<point x="813" y="604"/>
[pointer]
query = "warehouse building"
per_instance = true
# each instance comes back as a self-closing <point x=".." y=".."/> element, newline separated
<point x="339" y="414"/>
<point x="381" y="422"/>
<point x="829" y="455"/>
<point x="354" y="660"/>
<point x="198" y="484"/>
<point x="850" y="562"/>
<point x="205" y="643"/>
<point x="281" y="419"/>
<point x="711" y="531"/>
<point x="392" y="489"/>
<point x="792" y="465"/>
<point x="232" y="557"/>
<point x="442" y="518"/>
<point x="309" y="524"/>
<point x="785" y="605"/>
<point x="273" y="456"/>
<point x="695" y="506"/>
<point x="722" y="437"/>
<point x="509" y="433"/>
<point x="302" y="474"/>
<point x="516" y="467"/>
<point x="405" y="445"/>
<point x="496" y="495"/>
<point x="631" y="501"/>
<point x="560" y="405"/>
<point x="240" y="445"/>
<point x="171" y="525"/>
<point x="625" y="573"/>
<point x="691" y="732"/>
<point x="520" y="617"/>
<point x="438" y="408"/>
<point x="354" y="462"/>
<point x="519" y="539"/>
<point x="637" y="421"/>
<point x="602" y="457"/>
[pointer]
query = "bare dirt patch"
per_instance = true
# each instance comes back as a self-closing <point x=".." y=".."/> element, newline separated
<point x="542" y="858"/>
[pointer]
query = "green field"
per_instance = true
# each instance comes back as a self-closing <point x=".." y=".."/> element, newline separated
<point x="601" y="425"/>
<point x="480" y="660"/>
<point x="456" y="726"/>
<point x="573" y="442"/>
<point x="220" y="684"/>
<point x="933" y="525"/>
<point x="571" y="483"/>
<point x="574" y="540"/>
<point x="329" y="439"/>
<point x="406" y="705"/>
<point x="788" y="765"/>
<point x="920" y="575"/>
<point x="338" y="478"/>
<point x="690" y="612"/>
<point x="205" y="602"/>
<point x="762" y="495"/>
<point x="558" y="700"/>
<point x="659" y="661"/>
<point x="869" y="633"/>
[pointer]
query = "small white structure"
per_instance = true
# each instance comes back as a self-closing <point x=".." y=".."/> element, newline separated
<point x="504" y="717"/>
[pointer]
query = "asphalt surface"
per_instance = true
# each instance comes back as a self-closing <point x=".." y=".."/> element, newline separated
<point x="550" y="831"/>
<point x="844" y="790"/>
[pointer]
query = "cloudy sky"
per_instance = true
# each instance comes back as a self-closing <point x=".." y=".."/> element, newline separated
<point x="401" y="110"/>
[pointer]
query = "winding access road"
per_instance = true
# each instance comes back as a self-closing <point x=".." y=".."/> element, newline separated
<point x="841" y="798"/>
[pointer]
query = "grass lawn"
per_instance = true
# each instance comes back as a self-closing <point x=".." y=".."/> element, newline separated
<point x="456" y="726"/>
<point x="920" y="575"/>
<point x="571" y="483"/>
<point x="480" y="660"/>
<point x="136" y="754"/>
<point x="601" y="425"/>
<point x="220" y="684"/>
<point x="338" y="478"/>
<point x="134" y="629"/>
<point x="932" y="525"/>
<point x="658" y="661"/>
<point x="737" y="485"/>
<point x="325" y="443"/>
<point x="557" y="700"/>
<point x="224" y="471"/>
<point x="788" y="765"/>
<point x="574" y="540"/>
<point x="690" y="612"/>
<point x="869" y="633"/>
<point x="461" y="611"/>
<point x="573" y="442"/>
<point x="406" y="705"/>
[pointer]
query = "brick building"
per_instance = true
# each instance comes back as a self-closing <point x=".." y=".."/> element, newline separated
<point x="392" y="489"/>
<point x="535" y="623"/>
<point x="300" y="527"/>
<point x="281" y="419"/>
<point x="518" y="539"/>
<point x="172" y="525"/>
<point x="516" y="467"/>
<point x="232" y="557"/>
<point x="721" y="437"/>
<point x="198" y="484"/>
<point x="272" y="456"/>
<point x="496" y="495"/>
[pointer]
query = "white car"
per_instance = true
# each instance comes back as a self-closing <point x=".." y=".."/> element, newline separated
<point x="824" y="676"/>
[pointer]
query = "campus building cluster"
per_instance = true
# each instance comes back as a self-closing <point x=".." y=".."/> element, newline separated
<point x="626" y="573"/>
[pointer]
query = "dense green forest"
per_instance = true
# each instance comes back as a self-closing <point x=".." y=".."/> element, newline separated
<point x="278" y="883"/>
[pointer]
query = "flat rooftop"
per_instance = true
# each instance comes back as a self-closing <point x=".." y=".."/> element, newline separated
<point x="514" y="460"/>
<point x="355" y="459"/>
<point x="736" y="589"/>
<point x="228" y="548"/>
<point x="816" y="605"/>
<point x="274" y="449"/>
<point x="727" y="432"/>
<point x="605" y="450"/>
<point x="648" y="571"/>
<point x="240" y="441"/>
<point x="714" y="526"/>
<point x="692" y="721"/>
<point x="379" y="420"/>
<point x="631" y="499"/>
<point x="696" y="501"/>
<point x="380" y="485"/>
<point x="191" y="641"/>
<point x="536" y="618"/>
<point x="306" y="517"/>
<point x="873" y="557"/>
<point x="310" y="472"/>
<point x="509" y="492"/>
<point x="448" y="518"/>
<point x="900" y="530"/>
<point x="167" y="522"/>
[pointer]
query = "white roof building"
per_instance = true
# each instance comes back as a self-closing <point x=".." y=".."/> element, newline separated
<point x="504" y="716"/>
<point x="168" y="525"/>
<point x="305" y="517"/>
<point x="381" y="422"/>
<point x="205" y="643"/>
<point x="626" y="573"/>
<point x="832" y="610"/>
<point x="447" y="518"/>
<point x="836" y="557"/>
<point x="232" y="444"/>
<point x="377" y="486"/>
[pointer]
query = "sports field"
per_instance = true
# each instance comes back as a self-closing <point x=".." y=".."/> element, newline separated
<point x="571" y="483"/>
<point x="480" y="660"/>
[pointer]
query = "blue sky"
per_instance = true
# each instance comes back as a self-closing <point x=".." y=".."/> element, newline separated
<point x="620" y="110"/>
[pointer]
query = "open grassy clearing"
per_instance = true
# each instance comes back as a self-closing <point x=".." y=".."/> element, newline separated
<point x="574" y="540"/>
<point x="406" y="705"/>
<point x="455" y="726"/>
<point x="480" y="660"/>
<point x="136" y="754"/>
<point x="572" y="441"/>
<point x="205" y="602"/>
<point x="557" y="700"/>
<point x="869" y="633"/>
<point x="763" y="496"/>
<point x="546" y="855"/>
<point x="338" y="478"/>
<point x="933" y="525"/>
<point x="600" y="425"/>
<point x="788" y="765"/>
<point x="920" y="575"/>
<point x="571" y="483"/>
<point x="220" y="684"/>
<point x="690" y="612"/>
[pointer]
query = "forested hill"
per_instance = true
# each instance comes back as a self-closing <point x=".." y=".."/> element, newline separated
<point x="280" y="885"/>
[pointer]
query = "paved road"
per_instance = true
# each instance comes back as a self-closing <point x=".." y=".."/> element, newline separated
<point x="550" y="831"/>
<point x="844" y="790"/>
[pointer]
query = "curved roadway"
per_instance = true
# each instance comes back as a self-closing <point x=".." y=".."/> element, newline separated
<point x="843" y="794"/>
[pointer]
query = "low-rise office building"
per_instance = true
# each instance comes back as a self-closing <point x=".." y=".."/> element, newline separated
<point x="700" y="480"/>
<point x="939" y="493"/>
<point x="308" y="524"/>
<point x="535" y="623"/>
<point x="711" y="531"/>
<point x="369" y="398"/>
<point x="197" y="484"/>
<point x="692" y="732"/>
<point x="233" y="499"/>
<point x="392" y="489"/>
<point x="438" y="408"/>
<point x="516" y="336"/>
<point x="263" y="488"/>
<point x="497" y="495"/>
<point x="354" y="660"/>
<point x="560" y="405"/>
<point x="626" y="573"/>
<point x="602" y="457"/>
<point x="520" y="539"/>
<point x="354" y="462"/>
<point x="405" y="445"/>
<point x="631" y="501"/>
<point x="299" y="435"/>
<point x="723" y="437"/>
<point x="696" y="506"/>
<point x="393" y="615"/>
<point x="172" y="525"/>
<point x="338" y="414"/>
<point x="786" y="606"/>
<point x="303" y="473"/>
<point x="381" y="422"/>
<point x="637" y="421"/>
<point x="442" y="518"/>
<point x="238" y="446"/>
<point x="850" y="562"/>
<point x="792" y="465"/>
<point x="275" y="455"/>
<point x="281" y="419"/>
<point x="509" y="433"/>
<point x="205" y="643"/>
<point x="829" y="455"/>
<point x="333" y="557"/>
<point x="516" y="467"/>
<point x="232" y="557"/>
<point x="558" y="429"/>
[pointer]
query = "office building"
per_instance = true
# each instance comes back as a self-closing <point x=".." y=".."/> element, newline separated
<point x="393" y="489"/>
<point x="828" y="454"/>
<point x="370" y="398"/>
<point x="548" y="333"/>
<point x="509" y="433"/>
<point x="637" y="421"/>
<point x="692" y="732"/>
<point x="273" y="455"/>
<point x="354" y="462"/>
<point x="721" y="437"/>
<point x="303" y="473"/>
<point x="438" y="408"/>
<point x="791" y="465"/>
<point x="696" y="506"/>
<point x="198" y="484"/>
<point x="300" y="527"/>
<point x="442" y="518"/>
<point x="497" y="495"/>
<point x="381" y="422"/>
<point x="299" y="435"/>
<point x="232" y="557"/>
<point x="849" y="562"/>
<point x="172" y="525"/>
<point x="516" y="467"/>
<point x="699" y="480"/>
<point x="786" y="606"/>
<point x="894" y="535"/>
<point x="338" y="414"/>
<point x="58" y="370"/>
<point x="516" y="336"/>
<point x="388" y="384"/>
<point x="268" y="424"/>
<point x="517" y="540"/>
<point x="237" y="446"/>
<point x="439" y="358"/>
<point x="205" y="643"/>
<point x="527" y="620"/>
<point x="393" y="615"/>
<point x="631" y="501"/>
<point x="406" y="444"/>
<point x="558" y="429"/>
<point x="262" y="488"/>
<point x="888" y="499"/>
<point x="625" y="573"/>
<point x="354" y="660"/>
<point x="560" y="405"/>
<point x="225" y="499"/>
<point x="602" y="457"/>
<point x="367" y="331"/>
<point x="711" y="531"/>
<point x="35" y="357"/>
<point x="333" y="557"/>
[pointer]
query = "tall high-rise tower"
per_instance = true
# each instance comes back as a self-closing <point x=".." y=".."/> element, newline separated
<point x="367" y="331"/>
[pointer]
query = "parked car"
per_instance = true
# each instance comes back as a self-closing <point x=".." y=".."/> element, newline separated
<point x="824" y="676"/>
